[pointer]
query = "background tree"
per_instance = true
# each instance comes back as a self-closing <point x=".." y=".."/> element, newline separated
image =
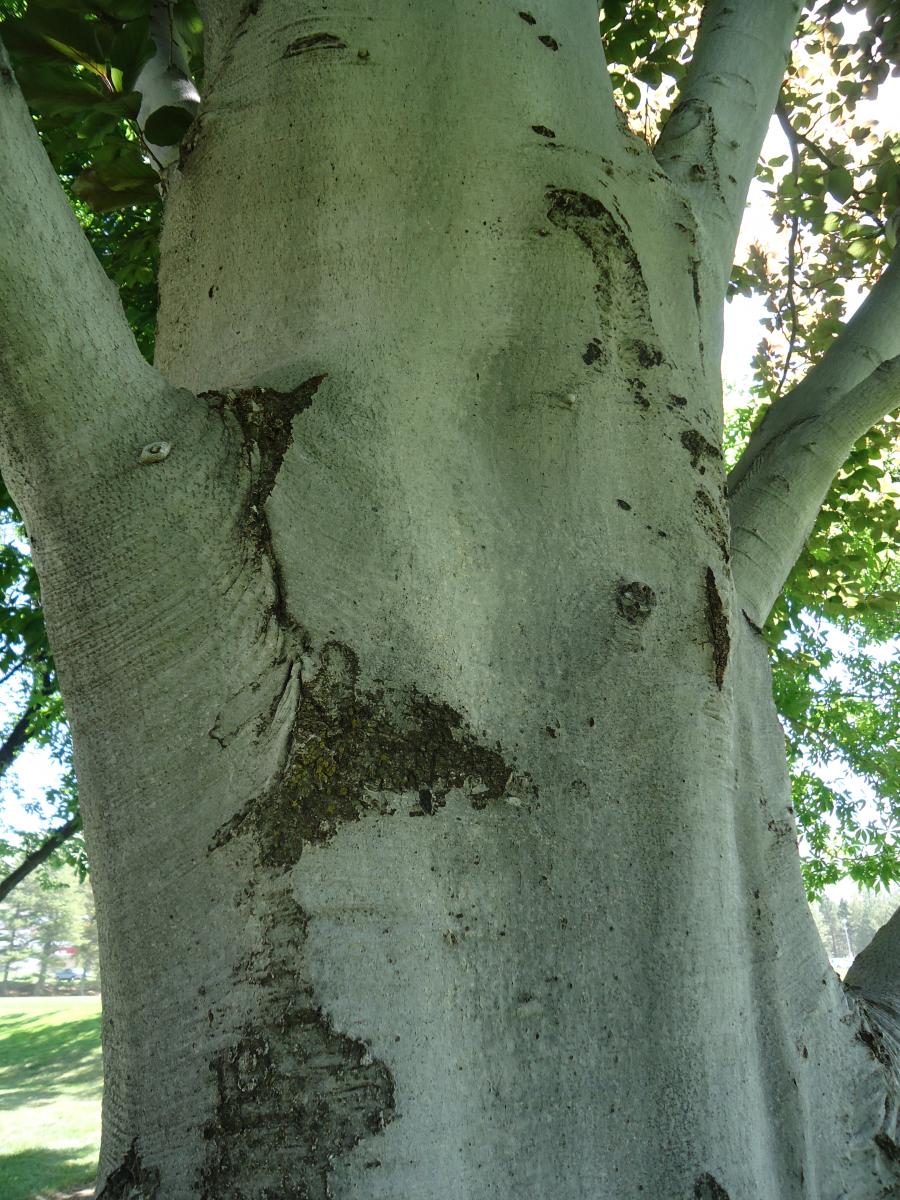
<point x="422" y="515"/>
<point x="38" y="922"/>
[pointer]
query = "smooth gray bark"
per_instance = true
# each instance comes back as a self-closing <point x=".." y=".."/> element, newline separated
<point x="435" y="797"/>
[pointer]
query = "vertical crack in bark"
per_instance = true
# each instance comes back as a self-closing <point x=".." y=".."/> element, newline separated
<point x="717" y="621"/>
<point x="266" y="419"/>
<point x="714" y="520"/>
<point x="620" y="289"/>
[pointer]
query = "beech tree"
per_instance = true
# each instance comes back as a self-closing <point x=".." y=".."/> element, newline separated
<point x="411" y="636"/>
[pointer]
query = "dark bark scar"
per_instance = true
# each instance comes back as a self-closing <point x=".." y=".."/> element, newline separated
<point x="699" y="448"/>
<point x="635" y="601"/>
<point x="314" y="41"/>
<point x="266" y="420"/>
<point x="348" y="743"/>
<point x="131" y="1180"/>
<point x="717" y="622"/>
<point x="708" y="1187"/>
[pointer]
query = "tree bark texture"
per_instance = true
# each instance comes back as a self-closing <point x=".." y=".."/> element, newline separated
<point x="435" y="797"/>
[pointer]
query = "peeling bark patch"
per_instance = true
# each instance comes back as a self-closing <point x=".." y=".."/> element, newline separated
<point x="347" y="745"/>
<point x="635" y="602"/>
<point x="292" y="1093"/>
<point x="717" y="621"/>
<point x="131" y="1180"/>
<point x="698" y="448"/>
<point x="550" y="42"/>
<point x="709" y="1188"/>
<point x="623" y="301"/>
<point x="314" y="41"/>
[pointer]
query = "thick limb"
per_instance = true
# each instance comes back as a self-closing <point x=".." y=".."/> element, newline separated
<point x="780" y="481"/>
<point x="711" y="142"/>
<point x="69" y="364"/>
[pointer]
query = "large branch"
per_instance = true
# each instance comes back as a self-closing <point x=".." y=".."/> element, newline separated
<point x="52" y="842"/>
<point x="869" y="338"/>
<point x="67" y="355"/>
<point x="711" y="142"/>
<point x="874" y="977"/>
<point x="780" y="481"/>
<point x="774" y="507"/>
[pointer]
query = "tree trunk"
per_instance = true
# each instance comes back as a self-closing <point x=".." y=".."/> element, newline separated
<point x="436" y="802"/>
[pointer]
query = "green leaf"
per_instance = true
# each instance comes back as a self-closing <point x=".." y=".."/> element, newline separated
<point x="61" y="34"/>
<point x="839" y="182"/>
<point x="130" y="49"/>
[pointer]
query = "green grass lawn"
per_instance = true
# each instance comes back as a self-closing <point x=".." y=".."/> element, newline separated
<point x="50" y="1087"/>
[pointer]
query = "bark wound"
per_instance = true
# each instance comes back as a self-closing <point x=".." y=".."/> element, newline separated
<point x="713" y="519"/>
<point x="888" y="1147"/>
<point x="635" y="602"/>
<point x="347" y="745"/>
<point x="620" y="290"/>
<point x="717" y="622"/>
<point x="314" y="41"/>
<point x="699" y="448"/>
<point x="292" y="1092"/>
<point x="709" y="1188"/>
<point x="131" y="1180"/>
<point x="266" y="419"/>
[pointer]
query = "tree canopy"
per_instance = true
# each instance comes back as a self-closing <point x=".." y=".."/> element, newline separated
<point x="834" y="195"/>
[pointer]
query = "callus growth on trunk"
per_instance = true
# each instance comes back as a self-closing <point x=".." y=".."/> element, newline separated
<point x="436" y="802"/>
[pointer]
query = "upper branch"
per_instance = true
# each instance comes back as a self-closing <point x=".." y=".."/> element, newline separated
<point x="711" y="142"/>
<point x="67" y="355"/>
<point x="780" y="481"/>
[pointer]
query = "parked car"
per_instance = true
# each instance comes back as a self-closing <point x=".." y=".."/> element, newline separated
<point x="70" y="973"/>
